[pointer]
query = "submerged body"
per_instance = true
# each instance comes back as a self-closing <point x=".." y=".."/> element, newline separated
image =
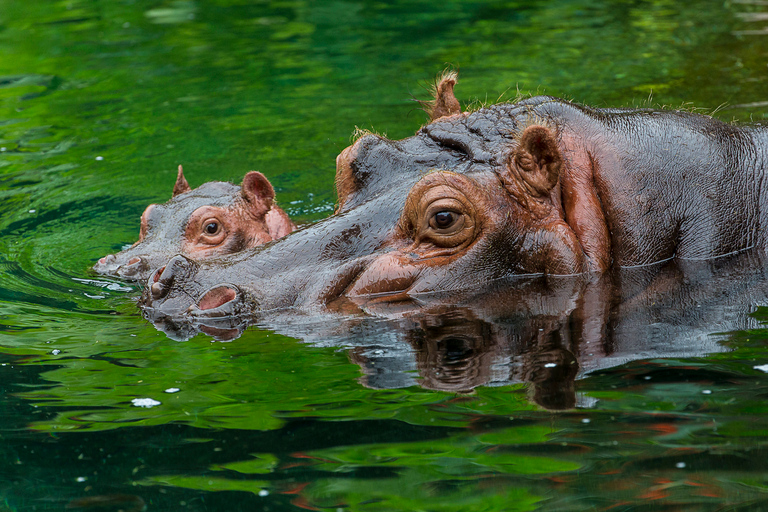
<point x="213" y="219"/>
<point x="543" y="186"/>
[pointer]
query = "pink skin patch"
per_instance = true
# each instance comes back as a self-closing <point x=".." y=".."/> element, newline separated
<point x="217" y="297"/>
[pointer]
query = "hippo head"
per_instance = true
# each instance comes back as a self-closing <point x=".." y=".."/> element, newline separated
<point x="470" y="198"/>
<point x="215" y="218"/>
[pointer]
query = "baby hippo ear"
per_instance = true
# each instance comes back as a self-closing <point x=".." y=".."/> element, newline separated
<point x="538" y="160"/>
<point x="258" y="191"/>
<point x="181" y="185"/>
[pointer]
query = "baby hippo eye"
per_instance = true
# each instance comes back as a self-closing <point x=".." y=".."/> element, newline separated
<point x="444" y="220"/>
<point x="207" y="227"/>
<point x="212" y="228"/>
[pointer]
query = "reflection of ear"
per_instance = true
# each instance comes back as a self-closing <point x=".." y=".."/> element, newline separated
<point x="257" y="189"/>
<point x="539" y="160"/>
<point x="181" y="185"/>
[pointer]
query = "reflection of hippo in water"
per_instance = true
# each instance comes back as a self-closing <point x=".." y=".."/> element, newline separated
<point x="216" y="218"/>
<point x="542" y="186"/>
<point x="546" y="331"/>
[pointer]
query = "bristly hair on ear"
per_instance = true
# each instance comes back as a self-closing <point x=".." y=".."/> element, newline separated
<point x="443" y="102"/>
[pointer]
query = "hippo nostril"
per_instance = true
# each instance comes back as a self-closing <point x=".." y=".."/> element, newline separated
<point x="109" y="258"/>
<point x="158" y="288"/>
<point x="133" y="267"/>
<point x="158" y="291"/>
<point x="217" y="297"/>
<point x="177" y="268"/>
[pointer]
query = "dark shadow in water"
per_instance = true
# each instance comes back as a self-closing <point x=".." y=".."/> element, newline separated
<point x="547" y="331"/>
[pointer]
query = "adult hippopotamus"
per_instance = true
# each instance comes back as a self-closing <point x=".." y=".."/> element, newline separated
<point x="215" y="218"/>
<point x="540" y="186"/>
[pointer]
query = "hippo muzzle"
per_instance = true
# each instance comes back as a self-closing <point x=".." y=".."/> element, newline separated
<point x="221" y="300"/>
<point x="130" y="268"/>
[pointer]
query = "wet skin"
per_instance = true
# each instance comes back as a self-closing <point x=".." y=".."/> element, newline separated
<point x="213" y="219"/>
<point x="542" y="186"/>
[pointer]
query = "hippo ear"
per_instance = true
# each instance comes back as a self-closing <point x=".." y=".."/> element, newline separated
<point x="257" y="190"/>
<point x="445" y="102"/>
<point x="538" y="160"/>
<point x="181" y="185"/>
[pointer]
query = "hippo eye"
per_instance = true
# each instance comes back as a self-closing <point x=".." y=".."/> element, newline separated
<point x="212" y="228"/>
<point x="444" y="220"/>
<point x="441" y="214"/>
<point x="207" y="228"/>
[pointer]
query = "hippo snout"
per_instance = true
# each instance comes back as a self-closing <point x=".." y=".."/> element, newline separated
<point x="178" y="268"/>
<point x="106" y="265"/>
<point x="133" y="267"/>
<point x="175" y="291"/>
<point x="126" y="269"/>
<point x="107" y="260"/>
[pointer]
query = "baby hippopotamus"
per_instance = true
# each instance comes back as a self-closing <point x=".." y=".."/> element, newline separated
<point x="540" y="186"/>
<point x="214" y="219"/>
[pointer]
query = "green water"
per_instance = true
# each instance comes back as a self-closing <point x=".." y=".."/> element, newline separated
<point x="101" y="100"/>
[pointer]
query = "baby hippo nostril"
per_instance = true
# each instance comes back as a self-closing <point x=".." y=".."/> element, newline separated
<point x="217" y="297"/>
<point x="132" y="267"/>
<point x="109" y="258"/>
